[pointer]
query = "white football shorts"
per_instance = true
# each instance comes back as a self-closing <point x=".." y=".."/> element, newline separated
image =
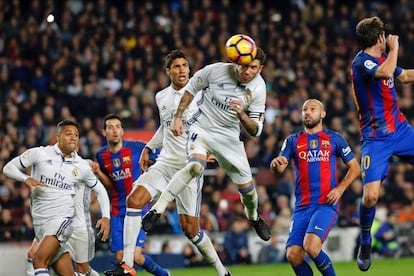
<point x="230" y="153"/>
<point x="156" y="179"/>
<point x="59" y="227"/>
<point x="82" y="244"/>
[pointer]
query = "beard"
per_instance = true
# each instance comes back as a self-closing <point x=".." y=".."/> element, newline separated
<point x="312" y="123"/>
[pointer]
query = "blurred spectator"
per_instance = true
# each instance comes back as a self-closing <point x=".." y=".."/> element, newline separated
<point x="385" y="240"/>
<point x="166" y="247"/>
<point x="172" y="218"/>
<point x="7" y="228"/>
<point x="191" y="258"/>
<point x="5" y="198"/>
<point x="266" y="211"/>
<point x="26" y="228"/>
<point x="236" y="242"/>
<point x="282" y="222"/>
<point x="208" y="220"/>
<point x="271" y="253"/>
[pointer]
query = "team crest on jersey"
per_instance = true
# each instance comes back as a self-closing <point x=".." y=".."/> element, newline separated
<point x="116" y="162"/>
<point x="192" y="146"/>
<point x="248" y="96"/>
<point x="26" y="154"/>
<point x="325" y="143"/>
<point x="313" y="144"/>
<point x="126" y="159"/>
<point x="75" y="172"/>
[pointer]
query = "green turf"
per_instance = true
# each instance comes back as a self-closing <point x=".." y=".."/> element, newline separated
<point x="389" y="267"/>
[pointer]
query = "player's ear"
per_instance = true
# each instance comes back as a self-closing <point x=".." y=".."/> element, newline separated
<point x="323" y="114"/>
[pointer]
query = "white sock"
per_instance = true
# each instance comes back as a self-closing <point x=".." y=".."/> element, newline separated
<point x="132" y="226"/>
<point x="206" y="248"/>
<point x="29" y="267"/>
<point x="177" y="184"/>
<point x="41" y="272"/>
<point x="250" y="202"/>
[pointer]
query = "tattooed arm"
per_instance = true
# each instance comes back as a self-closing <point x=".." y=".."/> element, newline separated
<point x="177" y="126"/>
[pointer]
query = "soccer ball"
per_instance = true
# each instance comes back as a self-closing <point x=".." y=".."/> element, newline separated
<point x="241" y="49"/>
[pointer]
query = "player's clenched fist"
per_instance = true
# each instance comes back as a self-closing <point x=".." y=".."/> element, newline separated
<point x="279" y="163"/>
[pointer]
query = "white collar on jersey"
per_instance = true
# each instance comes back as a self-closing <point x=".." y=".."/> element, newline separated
<point x="59" y="152"/>
<point x="179" y="92"/>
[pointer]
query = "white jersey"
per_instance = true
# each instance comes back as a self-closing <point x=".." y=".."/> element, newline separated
<point x="83" y="202"/>
<point x="61" y="176"/>
<point x="173" y="152"/>
<point x="219" y="84"/>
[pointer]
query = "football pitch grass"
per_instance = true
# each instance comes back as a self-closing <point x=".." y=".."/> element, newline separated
<point x="383" y="267"/>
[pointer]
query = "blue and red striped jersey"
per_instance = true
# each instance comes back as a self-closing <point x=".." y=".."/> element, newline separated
<point x="123" y="167"/>
<point x="315" y="157"/>
<point x="375" y="99"/>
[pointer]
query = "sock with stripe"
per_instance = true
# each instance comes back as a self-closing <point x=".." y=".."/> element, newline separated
<point x="324" y="264"/>
<point x="132" y="226"/>
<point x="366" y="218"/>
<point x="207" y="250"/>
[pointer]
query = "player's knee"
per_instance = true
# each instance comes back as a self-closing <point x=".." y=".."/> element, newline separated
<point x="136" y="200"/>
<point x="295" y="256"/>
<point x="190" y="230"/>
<point x="195" y="168"/>
<point x="132" y="202"/>
<point x="370" y="199"/>
<point x="312" y="251"/>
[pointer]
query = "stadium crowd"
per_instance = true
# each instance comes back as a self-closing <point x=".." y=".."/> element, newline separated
<point x="104" y="56"/>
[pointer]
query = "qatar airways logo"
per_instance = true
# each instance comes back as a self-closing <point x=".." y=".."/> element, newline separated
<point x="121" y="174"/>
<point x="315" y="155"/>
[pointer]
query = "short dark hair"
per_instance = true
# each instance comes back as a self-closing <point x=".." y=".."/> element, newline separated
<point x="260" y="55"/>
<point x="64" y="123"/>
<point x="174" y="54"/>
<point x="368" y="30"/>
<point x="110" y="117"/>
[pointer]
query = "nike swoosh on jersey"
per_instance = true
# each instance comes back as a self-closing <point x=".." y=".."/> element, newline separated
<point x="301" y="146"/>
<point x="318" y="228"/>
